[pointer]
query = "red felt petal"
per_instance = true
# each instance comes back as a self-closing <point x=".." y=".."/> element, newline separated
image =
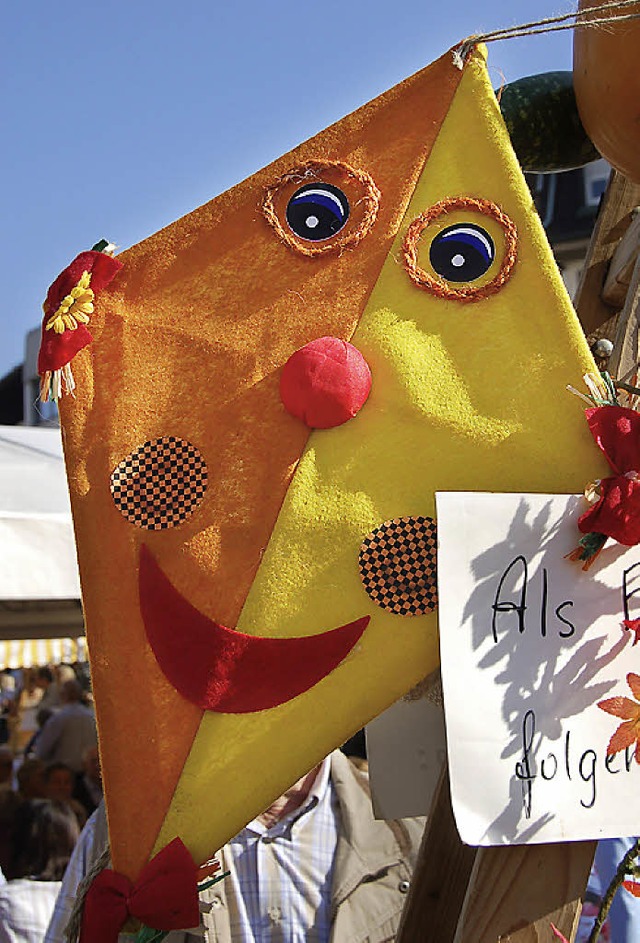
<point x="616" y="431"/>
<point x="633" y="887"/>
<point x="325" y="383"/>
<point x="617" y="513"/>
<point x="57" y="350"/>
<point x="102" y="267"/>
<point x="227" y="671"/>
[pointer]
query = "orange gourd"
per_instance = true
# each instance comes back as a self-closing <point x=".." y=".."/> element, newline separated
<point x="606" y="77"/>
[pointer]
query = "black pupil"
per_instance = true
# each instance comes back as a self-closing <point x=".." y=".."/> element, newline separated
<point x="462" y="253"/>
<point x="317" y="211"/>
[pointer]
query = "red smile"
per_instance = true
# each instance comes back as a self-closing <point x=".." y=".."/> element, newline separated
<point x="219" y="669"/>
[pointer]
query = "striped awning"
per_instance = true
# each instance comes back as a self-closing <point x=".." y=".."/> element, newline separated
<point x="31" y="652"/>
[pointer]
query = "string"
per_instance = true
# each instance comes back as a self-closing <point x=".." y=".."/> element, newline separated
<point x="551" y="24"/>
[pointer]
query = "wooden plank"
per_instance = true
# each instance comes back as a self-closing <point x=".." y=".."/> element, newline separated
<point x="613" y="220"/>
<point x="461" y="894"/>
<point x="616" y="285"/>
<point x="623" y="363"/>
<point x="440" y="879"/>
<point x="515" y="893"/>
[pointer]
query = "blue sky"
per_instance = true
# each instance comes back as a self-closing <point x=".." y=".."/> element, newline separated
<point x="119" y="118"/>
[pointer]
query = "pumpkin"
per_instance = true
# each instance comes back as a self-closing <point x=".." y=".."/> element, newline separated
<point x="607" y="86"/>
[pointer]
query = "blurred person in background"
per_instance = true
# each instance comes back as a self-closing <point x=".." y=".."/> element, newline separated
<point x="30" y="778"/>
<point x="23" y="711"/>
<point x="88" y="785"/>
<point x="46" y="834"/>
<point x="10" y="801"/>
<point x="59" y="781"/>
<point x="7" y="696"/>
<point x="42" y="716"/>
<point x="69" y="732"/>
<point x="315" y="866"/>
<point x="50" y="688"/>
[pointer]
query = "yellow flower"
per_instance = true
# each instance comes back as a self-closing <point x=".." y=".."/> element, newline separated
<point x="75" y="307"/>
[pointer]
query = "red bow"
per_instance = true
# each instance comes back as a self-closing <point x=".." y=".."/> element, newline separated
<point x="616" y="431"/>
<point x="164" y="897"/>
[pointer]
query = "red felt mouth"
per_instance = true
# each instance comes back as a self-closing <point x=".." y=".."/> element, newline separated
<point x="219" y="669"/>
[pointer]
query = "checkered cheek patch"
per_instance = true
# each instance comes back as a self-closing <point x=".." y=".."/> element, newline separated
<point x="160" y="484"/>
<point x="398" y="565"/>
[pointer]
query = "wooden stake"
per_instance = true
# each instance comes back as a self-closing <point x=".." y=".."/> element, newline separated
<point x="613" y="220"/>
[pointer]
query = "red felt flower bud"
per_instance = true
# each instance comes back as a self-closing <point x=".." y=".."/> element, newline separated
<point x="67" y="311"/>
<point x="325" y="383"/>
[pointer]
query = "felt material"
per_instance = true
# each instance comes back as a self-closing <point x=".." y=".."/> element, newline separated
<point x="223" y="670"/>
<point x="160" y="484"/>
<point x="164" y="897"/>
<point x="57" y="350"/>
<point x="189" y="341"/>
<point x="616" y="430"/>
<point x="464" y="397"/>
<point x="398" y="565"/>
<point x="325" y="383"/>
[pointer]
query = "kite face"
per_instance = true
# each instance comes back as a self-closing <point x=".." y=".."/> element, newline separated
<point x="276" y="387"/>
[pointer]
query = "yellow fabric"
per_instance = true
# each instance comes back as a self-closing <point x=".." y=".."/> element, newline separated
<point x="464" y="397"/>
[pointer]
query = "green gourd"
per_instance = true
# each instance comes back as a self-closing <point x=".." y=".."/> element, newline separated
<point x="542" y="118"/>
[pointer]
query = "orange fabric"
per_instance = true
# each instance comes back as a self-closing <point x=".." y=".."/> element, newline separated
<point x="188" y="342"/>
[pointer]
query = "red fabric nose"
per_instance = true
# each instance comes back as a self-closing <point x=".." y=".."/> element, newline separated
<point x="325" y="383"/>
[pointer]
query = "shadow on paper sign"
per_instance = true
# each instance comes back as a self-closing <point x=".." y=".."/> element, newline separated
<point x="529" y="644"/>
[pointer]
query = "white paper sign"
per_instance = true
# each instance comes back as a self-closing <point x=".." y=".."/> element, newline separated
<point x="406" y="749"/>
<point x="529" y="644"/>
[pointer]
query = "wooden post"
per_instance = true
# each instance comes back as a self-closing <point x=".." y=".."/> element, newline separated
<point x="613" y="220"/>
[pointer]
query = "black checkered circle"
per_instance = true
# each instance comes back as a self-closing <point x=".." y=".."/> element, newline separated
<point x="398" y="565"/>
<point x="160" y="484"/>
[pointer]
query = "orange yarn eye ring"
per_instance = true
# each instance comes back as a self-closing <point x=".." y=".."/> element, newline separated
<point x="305" y="173"/>
<point x="439" y="286"/>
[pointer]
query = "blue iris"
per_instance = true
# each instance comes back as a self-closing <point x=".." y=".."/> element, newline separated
<point x="462" y="253"/>
<point x="317" y="211"/>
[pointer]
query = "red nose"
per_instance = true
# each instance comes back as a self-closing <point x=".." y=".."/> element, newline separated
<point x="325" y="383"/>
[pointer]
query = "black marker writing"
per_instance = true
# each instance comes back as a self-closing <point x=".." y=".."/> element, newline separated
<point x="500" y="605"/>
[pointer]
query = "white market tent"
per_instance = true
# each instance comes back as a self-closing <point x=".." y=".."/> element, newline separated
<point x="40" y="612"/>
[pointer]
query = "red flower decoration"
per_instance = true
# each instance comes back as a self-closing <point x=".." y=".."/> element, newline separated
<point x="57" y="350"/>
<point x="616" y="431"/>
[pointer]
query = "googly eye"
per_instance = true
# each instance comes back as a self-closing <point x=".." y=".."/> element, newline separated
<point x="317" y="211"/>
<point x="462" y="253"/>
<point x="321" y="207"/>
<point x="461" y="249"/>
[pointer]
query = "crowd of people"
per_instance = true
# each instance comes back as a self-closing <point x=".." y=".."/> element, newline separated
<point x="50" y="784"/>
<point x="318" y="850"/>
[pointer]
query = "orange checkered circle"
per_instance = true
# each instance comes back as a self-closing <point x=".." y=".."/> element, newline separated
<point x="160" y="484"/>
<point x="397" y="564"/>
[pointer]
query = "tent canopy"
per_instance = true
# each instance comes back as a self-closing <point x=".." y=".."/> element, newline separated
<point x="39" y="583"/>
